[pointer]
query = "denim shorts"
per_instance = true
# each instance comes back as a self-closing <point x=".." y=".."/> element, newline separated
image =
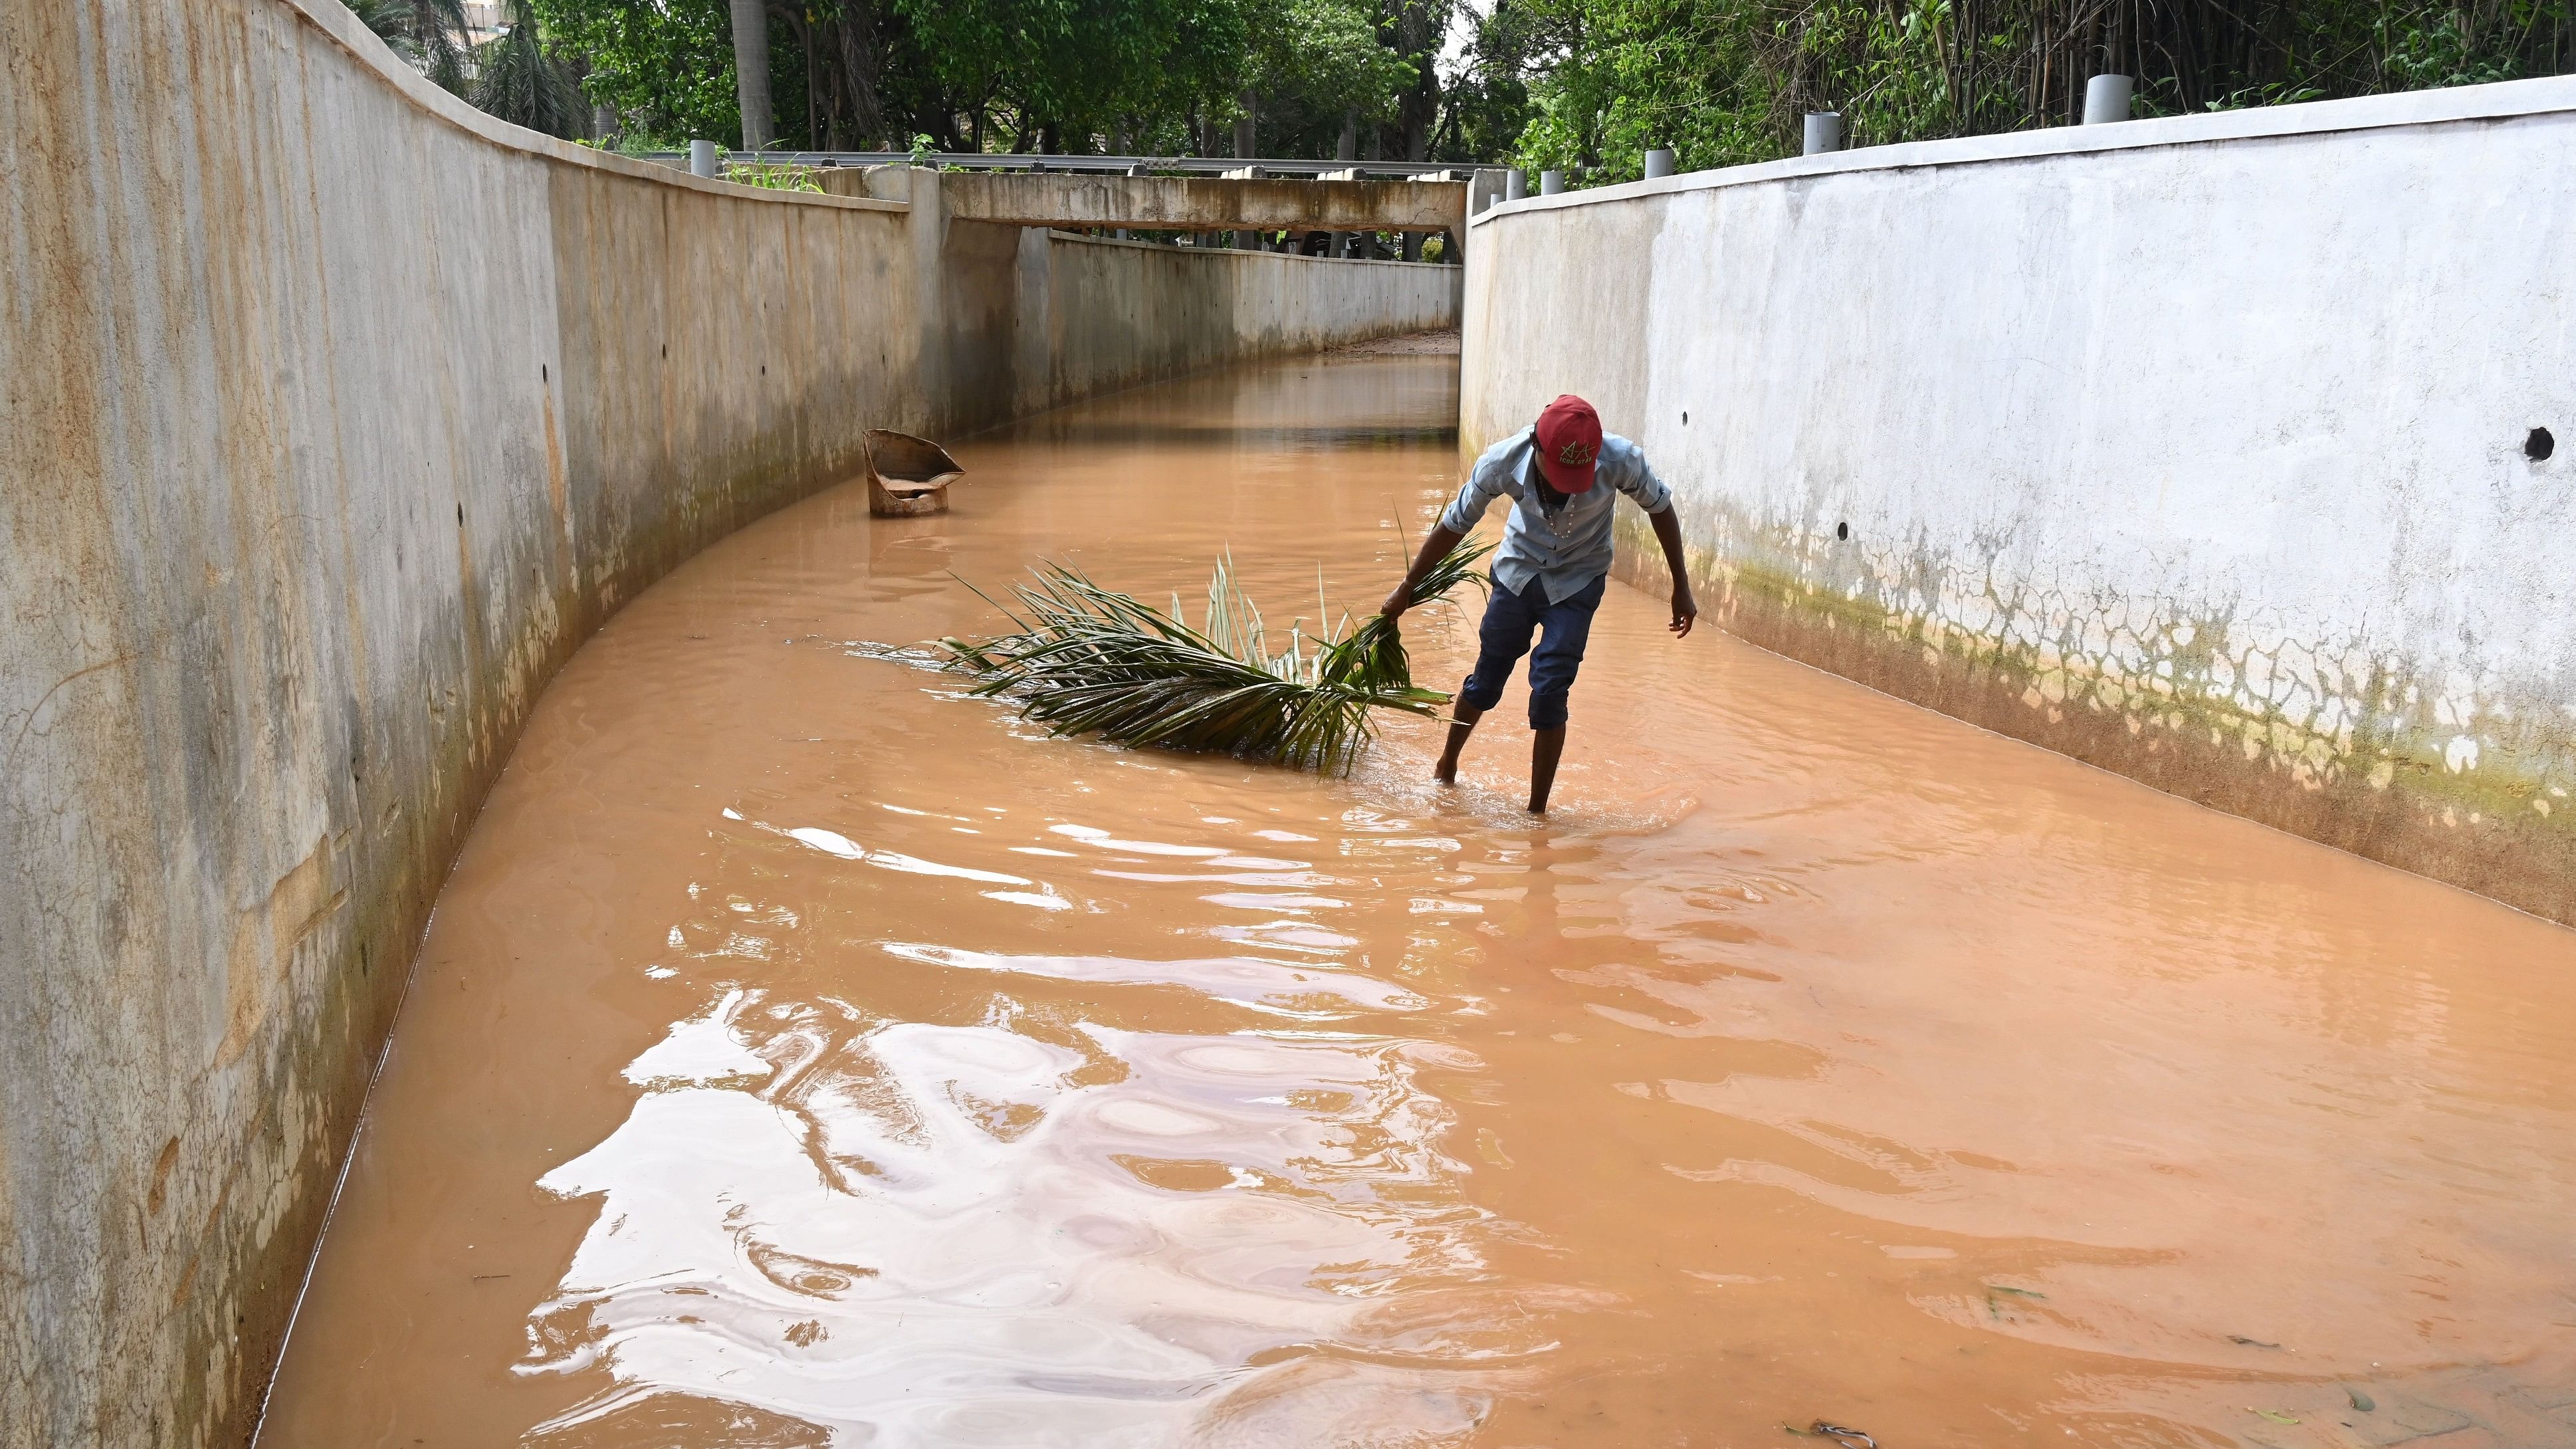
<point x="1510" y="620"/>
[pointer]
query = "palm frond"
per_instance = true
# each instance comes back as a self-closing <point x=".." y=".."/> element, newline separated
<point x="1089" y="660"/>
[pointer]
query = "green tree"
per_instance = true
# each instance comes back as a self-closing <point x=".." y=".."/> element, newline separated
<point x="665" y="66"/>
<point x="1315" y="67"/>
<point x="1033" y="74"/>
<point x="1725" y="81"/>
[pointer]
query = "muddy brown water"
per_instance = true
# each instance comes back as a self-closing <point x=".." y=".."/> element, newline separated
<point x="802" y="1054"/>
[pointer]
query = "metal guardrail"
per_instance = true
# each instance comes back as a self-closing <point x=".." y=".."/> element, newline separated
<point x="1092" y="165"/>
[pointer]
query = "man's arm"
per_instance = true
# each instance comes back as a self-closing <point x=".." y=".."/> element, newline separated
<point x="1474" y="497"/>
<point x="1668" y="532"/>
<point x="1435" y="548"/>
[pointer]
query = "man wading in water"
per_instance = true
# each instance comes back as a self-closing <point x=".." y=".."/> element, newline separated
<point x="1551" y="570"/>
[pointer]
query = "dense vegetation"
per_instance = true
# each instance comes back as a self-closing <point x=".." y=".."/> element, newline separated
<point x="1584" y="84"/>
<point x="1725" y="81"/>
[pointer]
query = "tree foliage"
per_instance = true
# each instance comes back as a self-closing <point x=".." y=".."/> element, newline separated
<point x="429" y="34"/>
<point x="1725" y="81"/>
<point x="522" y="81"/>
<point x="1584" y="84"/>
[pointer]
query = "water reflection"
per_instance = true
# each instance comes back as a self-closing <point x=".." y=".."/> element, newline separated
<point x="1053" y="1222"/>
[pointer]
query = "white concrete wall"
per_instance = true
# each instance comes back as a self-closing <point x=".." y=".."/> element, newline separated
<point x="2192" y="447"/>
<point x="333" y="416"/>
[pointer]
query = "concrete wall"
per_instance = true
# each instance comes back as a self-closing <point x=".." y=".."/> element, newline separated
<point x="333" y="416"/>
<point x="1118" y="311"/>
<point x="2193" y="448"/>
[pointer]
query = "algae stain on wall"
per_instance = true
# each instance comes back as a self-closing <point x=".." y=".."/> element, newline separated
<point x="2329" y="739"/>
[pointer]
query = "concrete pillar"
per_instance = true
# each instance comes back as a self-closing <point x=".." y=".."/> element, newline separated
<point x="927" y="224"/>
<point x="1515" y="185"/>
<point x="1824" y="132"/>
<point x="1659" y="162"/>
<point x="2106" y="99"/>
<point x="1413" y="246"/>
<point x="1551" y="182"/>
<point x="702" y="158"/>
<point x="1033" y="331"/>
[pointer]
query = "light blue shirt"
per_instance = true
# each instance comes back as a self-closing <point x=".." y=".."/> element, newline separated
<point x="1565" y="550"/>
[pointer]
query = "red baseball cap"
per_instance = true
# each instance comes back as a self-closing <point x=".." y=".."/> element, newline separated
<point x="1569" y="443"/>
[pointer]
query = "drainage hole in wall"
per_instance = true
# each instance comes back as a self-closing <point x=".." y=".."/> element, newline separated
<point x="542" y="374"/>
<point x="2539" y="445"/>
<point x="666" y="349"/>
<point x="460" y="515"/>
<point x="1842" y="530"/>
<point x="1686" y="417"/>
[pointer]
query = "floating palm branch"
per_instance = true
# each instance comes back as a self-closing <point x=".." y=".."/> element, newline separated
<point x="1090" y="660"/>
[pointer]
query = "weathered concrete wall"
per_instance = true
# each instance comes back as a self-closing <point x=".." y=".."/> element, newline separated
<point x="333" y="415"/>
<point x="2192" y="448"/>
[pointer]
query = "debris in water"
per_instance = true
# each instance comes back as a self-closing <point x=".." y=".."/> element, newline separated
<point x="1848" y="1438"/>
<point x="908" y="477"/>
<point x="1090" y="660"/>
<point x="2250" y="1342"/>
<point x="2275" y="1415"/>
<point x="2360" y="1400"/>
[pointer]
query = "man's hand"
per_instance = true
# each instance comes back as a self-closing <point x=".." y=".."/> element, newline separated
<point x="1434" y="549"/>
<point x="1668" y="532"/>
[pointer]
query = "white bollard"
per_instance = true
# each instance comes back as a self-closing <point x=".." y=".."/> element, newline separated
<point x="1659" y="162"/>
<point x="702" y="158"/>
<point x="1551" y="182"/>
<point x="1824" y="132"/>
<point x="1515" y="185"/>
<point x="2106" y="99"/>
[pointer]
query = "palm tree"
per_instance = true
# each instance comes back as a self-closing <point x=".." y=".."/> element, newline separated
<point x="429" y="34"/>
<point x="518" y="81"/>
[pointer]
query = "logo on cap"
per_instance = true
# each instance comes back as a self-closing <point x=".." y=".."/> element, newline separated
<point x="1576" y="454"/>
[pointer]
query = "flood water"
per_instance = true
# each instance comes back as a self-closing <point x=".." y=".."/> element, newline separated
<point x="805" y="1054"/>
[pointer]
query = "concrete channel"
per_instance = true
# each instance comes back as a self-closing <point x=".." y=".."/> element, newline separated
<point x="2216" y="452"/>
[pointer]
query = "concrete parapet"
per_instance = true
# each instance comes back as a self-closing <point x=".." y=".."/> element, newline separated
<point x="338" y="415"/>
<point x="2200" y="449"/>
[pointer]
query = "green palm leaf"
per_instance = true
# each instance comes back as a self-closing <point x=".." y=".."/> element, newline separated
<point x="1090" y="660"/>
